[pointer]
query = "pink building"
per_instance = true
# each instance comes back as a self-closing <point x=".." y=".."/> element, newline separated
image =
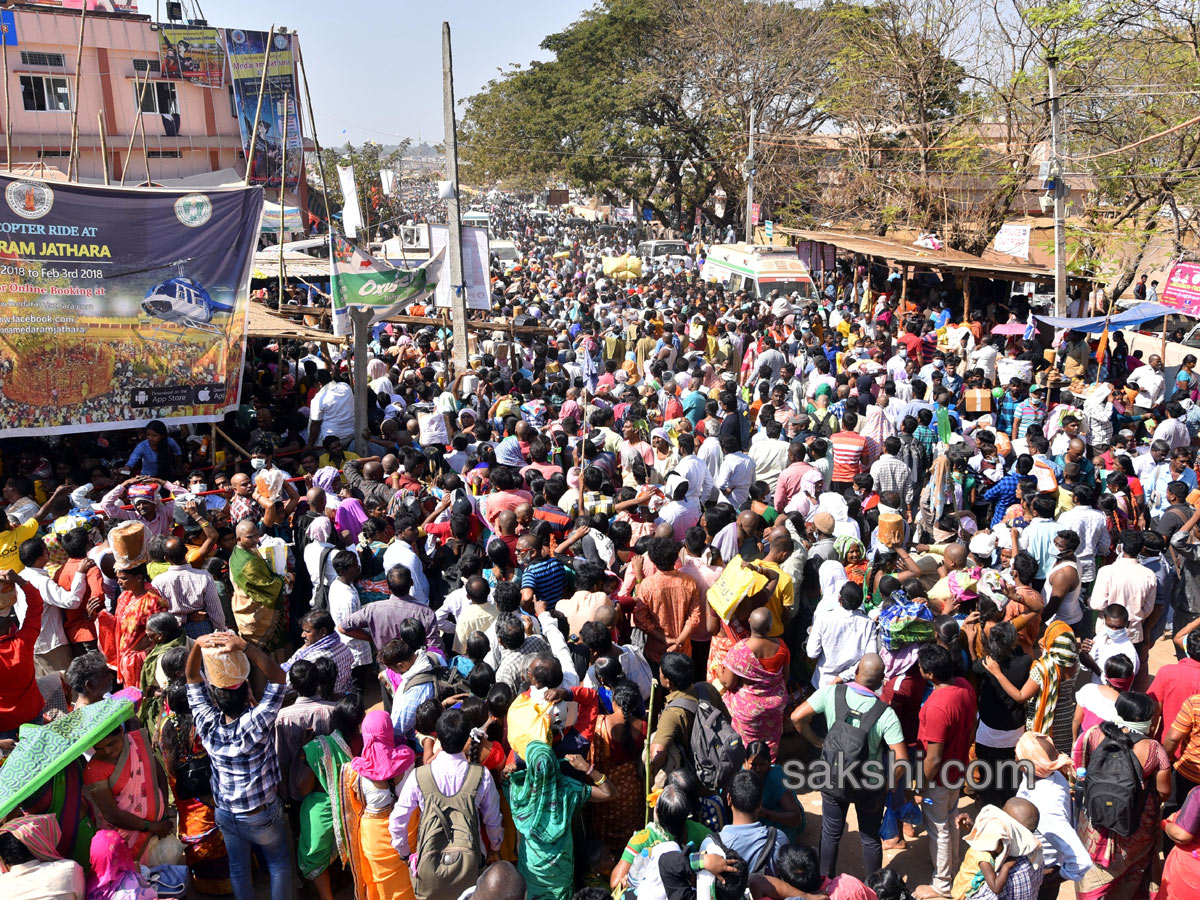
<point x="189" y="130"/>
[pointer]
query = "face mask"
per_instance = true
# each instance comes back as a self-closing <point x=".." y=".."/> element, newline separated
<point x="257" y="464"/>
<point x="199" y="487"/>
<point x="902" y="353"/>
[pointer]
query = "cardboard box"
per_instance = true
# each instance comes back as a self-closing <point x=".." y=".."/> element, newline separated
<point x="977" y="400"/>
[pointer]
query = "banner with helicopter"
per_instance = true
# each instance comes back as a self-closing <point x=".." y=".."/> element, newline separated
<point x="120" y="305"/>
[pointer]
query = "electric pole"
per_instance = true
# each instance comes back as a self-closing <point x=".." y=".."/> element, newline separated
<point x="1060" y="193"/>
<point x="750" y="184"/>
<point x="458" y="289"/>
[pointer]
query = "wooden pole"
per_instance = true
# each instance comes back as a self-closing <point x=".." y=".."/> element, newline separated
<point x="262" y="87"/>
<point x="312" y="122"/>
<point x="141" y="124"/>
<point x="454" y="268"/>
<point x="649" y="713"/>
<point x="103" y="146"/>
<point x="73" y="162"/>
<point x="903" y="288"/>
<point x="966" y="298"/>
<point x="7" y="102"/>
<point x="141" y="85"/>
<point x="282" y="183"/>
<point x="212" y="449"/>
<point x="230" y="441"/>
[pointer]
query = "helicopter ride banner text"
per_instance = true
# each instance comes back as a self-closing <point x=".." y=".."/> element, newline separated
<point x="118" y="306"/>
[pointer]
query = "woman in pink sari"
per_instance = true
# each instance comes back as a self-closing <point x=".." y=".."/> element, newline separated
<point x="129" y="788"/>
<point x="755" y="674"/>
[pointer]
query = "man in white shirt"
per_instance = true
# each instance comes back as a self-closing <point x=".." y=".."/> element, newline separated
<point x="28" y="875"/>
<point x="770" y="454"/>
<point x="1092" y="527"/>
<point x="840" y="637"/>
<point x="1150" y="383"/>
<point x="331" y="412"/>
<point x="1172" y="429"/>
<point x="984" y="356"/>
<point x="400" y="552"/>
<point x="51" y="648"/>
<point x="736" y="474"/>
<point x="343" y="603"/>
<point x="1126" y="583"/>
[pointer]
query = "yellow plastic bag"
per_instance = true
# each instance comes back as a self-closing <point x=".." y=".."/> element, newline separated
<point x="734" y="585"/>
<point x="528" y="721"/>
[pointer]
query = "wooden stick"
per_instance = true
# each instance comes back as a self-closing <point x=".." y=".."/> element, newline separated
<point x="230" y="441"/>
<point x="282" y="183"/>
<point x="103" y="146"/>
<point x="7" y="103"/>
<point x="312" y="122"/>
<point x="262" y="86"/>
<point x="649" y="713"/>
<point x="133" y="131"/>
<point x="141" y="123"/>
<point x="73" y="162"/>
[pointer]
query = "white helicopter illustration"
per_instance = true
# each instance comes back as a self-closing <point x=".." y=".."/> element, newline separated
<point x="182" y="301"/>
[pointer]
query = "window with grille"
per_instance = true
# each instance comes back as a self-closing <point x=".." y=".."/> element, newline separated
<point x="45" y="93"/>
<point x="159" y="97"/>
<point x="165" y="154"/>
<point x="147" y="65"/>
<point x="37" y="58"/>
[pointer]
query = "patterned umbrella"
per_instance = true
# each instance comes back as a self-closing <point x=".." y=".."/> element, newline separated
<point x="43" y="751"/>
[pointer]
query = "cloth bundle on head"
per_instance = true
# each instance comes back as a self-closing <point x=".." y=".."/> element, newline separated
<point x="268" y="484"/>
<point x="142" y="492"/>
<point x="905" y="622"/>
<point x="40" y="834"/>
<point x="350" y="517"/>
<point x="381" y="759"/>
<point x="329" y="479"/>
<point x="508" y="453"/>
<point x="1040" y="750"/>
<point x="321" y="529"/>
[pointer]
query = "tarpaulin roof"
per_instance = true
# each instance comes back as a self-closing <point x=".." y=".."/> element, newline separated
<point x="1130" y="318"/>
<point x="265" y="324"/>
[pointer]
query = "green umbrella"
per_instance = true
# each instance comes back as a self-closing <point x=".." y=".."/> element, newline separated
<point x="43" y="751"/>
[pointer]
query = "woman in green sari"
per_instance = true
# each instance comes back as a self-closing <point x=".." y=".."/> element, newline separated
<point x="543" y="802"/>
<point x="164" y="633"/>
<point x="321" y="838"/>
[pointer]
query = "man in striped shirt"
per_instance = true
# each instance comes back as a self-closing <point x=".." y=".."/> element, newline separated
<point x="852" y="453"/>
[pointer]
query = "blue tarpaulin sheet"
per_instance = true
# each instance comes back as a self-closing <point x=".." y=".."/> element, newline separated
<point x="1130" y="318"/>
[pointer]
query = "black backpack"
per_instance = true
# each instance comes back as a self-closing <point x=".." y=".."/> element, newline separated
<point x="1114" y="794"/>
<point x="447" y="682"/>
<point x="715" y="750"/>
<point x="848" y="746"/>
<point x="320" y="593"/>
<point x="821" y="427"/>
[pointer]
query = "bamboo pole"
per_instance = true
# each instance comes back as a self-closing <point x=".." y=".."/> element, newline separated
<point x="649" y="713"/>
<point x="103" y="146"/>
<point x="7" y="102"/>
<point x="282" y="184"/>
<point x="141" y="85"/>
<point x="141" y="124"/>
<point x="312" y="123"/>
<point x="262" y="87"/>
<point x="73" y="163"/>
<point x="234" y="444"/>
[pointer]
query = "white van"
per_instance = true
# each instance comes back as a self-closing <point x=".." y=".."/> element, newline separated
<point x="506" y="252"/>
<point x="757" y="268"/>
<point x="476" y="218"/>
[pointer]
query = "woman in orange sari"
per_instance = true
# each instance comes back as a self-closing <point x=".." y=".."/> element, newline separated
<point x="136" y="604"/>
<point x="368" y="792"/>
<point x="187" y="766"/>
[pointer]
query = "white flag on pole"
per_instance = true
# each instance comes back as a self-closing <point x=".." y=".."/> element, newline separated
<point x="352" y="218"/>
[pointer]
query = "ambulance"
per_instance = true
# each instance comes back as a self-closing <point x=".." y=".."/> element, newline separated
<point x="757" y="268"/>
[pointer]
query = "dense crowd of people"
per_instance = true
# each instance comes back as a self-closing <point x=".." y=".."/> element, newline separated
<point x="595" y="615"/>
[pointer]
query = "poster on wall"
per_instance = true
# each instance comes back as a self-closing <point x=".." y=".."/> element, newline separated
<point x="246" y="51"/>
<point x="193" y="54"/>
<point x="120" y="305"/>
<point x="1182" y="290"/>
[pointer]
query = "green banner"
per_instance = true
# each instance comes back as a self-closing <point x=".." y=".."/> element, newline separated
<point x="360" y="280"/>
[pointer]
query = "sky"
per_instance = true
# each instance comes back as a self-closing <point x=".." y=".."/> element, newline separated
<point x="375" y="67"/>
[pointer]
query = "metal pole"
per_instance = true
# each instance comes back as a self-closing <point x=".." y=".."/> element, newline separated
<point x="458" y="289"/>
<point x="103" y="146"/>
<point x="282" y="183"/>
<point x="7" y="101"/>
<point x="1060" y="226"/>
<point x="750" y="184"/>
<point x="72" y="163"/>
<point x="262" y="87"/>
